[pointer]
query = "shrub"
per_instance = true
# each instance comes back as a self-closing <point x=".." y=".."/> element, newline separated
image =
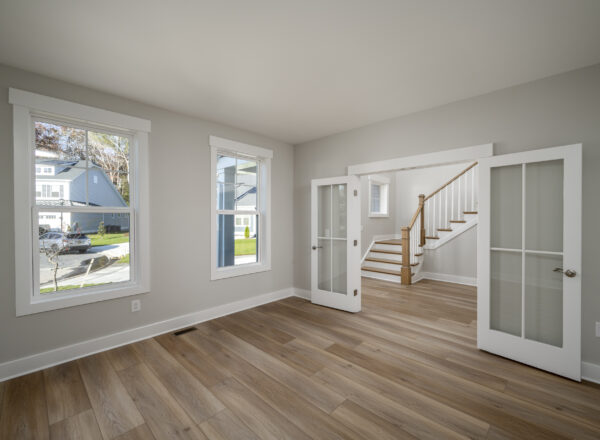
<point x="101" y="229"/>
<point x="247" y="232"/>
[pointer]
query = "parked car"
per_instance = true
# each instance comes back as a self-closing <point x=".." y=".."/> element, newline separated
<point x="65" y="242"/>
<point x="54" y="241"/>
<point x="78" y="242"/>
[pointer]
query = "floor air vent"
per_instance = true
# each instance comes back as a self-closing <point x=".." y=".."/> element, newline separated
<point x="185" y="330"/>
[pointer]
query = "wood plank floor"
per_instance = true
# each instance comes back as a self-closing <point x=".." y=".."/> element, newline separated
<point x="405" y="367"/>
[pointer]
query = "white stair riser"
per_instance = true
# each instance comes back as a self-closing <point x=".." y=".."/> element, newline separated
<point x="378" y="265"/>
<point x="387" y="247"/>
<point x="375" y="254"/>
<point x="380" y="276"/>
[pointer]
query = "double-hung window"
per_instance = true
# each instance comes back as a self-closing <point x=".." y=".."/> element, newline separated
<point x="240" y="232"/>
<point x="76" y="241"/>
<point x="379" y="188"/>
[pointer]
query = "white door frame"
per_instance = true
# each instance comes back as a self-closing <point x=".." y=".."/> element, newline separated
<point x="565" y="361"/>
<point x="351" y="301"/>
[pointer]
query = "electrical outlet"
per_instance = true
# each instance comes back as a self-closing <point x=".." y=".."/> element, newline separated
<point x="136" y="305"/>
<point x="598" y="329"/>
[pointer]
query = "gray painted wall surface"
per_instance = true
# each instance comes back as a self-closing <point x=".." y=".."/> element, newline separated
<point x="456" y="257"/>
<point x="559" y="110"/>
<point x="179" y="218"/>
<point x="372" y="226"/>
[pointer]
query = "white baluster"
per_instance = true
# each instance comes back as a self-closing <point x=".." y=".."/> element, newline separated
<point x="446" y="209"/>
<point x="452" y="202"/>
<point x="458" y="216"/>
<point x="472" y="189"/>
<point x="466" y="194"/>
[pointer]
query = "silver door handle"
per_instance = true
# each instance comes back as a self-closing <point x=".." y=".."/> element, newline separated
<point x="569" y="273"/>
<point x="314" y="248"/>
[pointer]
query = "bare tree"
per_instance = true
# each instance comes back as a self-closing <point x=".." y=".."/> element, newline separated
<point x="52" y="254"/>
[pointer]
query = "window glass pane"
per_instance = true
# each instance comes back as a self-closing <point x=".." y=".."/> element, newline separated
<point x="108" y="169"/>
<point x="237" y="239"/>
<point x="544" y="206"/>
<point x="544" y="299"/>
<point x="375" y="198"/>
<point x="339" y="268"/>
<point x="324" y="210"/>
<point x="324" y="263"/>
<point x="339" y="210"/>
<point x="55" y="143"/>
<point x="505" y="292"/>
<point x="506" y="206"/>
<point x="105" y="187"/>
<point x="245" y="191"/>
<point x="83" y="250"/>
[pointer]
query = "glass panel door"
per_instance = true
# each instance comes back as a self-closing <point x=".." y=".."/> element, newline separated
<point x="529" y="258"/>
<point x="336" y="243"/>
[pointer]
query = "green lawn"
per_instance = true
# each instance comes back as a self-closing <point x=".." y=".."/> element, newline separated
<point x="69" y="287"/>
<point x="124" y="259"/>
<point x="98" y="240"/>
<point x="245" y="246"/>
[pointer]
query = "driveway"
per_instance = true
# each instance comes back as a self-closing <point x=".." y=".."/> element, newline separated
<point x="74" y="261"/>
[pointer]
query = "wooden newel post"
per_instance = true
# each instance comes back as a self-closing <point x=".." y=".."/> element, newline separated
<point x="405" y="272"/>
<point x="422" y="207"/>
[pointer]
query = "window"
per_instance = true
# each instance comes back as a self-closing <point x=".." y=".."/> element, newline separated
<point x="240" y="241"/>
<point x="60" y="148"/>
<point x="379" y="188"/>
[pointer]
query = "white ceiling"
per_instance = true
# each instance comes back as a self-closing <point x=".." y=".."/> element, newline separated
<point x="299" y="70"/>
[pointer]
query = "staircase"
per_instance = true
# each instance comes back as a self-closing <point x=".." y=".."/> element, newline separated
<point x="442" y="215"/>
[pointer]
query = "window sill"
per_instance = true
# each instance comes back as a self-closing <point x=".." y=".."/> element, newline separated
<point x="236" y="271"/>
<point x="85" y="296"/>
<point x="375" y="215"/>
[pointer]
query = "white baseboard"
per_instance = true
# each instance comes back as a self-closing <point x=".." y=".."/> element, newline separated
<point x="469" y="281"/>
<point x="39" y="361"/>
<point x="302" y="293"/>
<point x="590" y="372"/>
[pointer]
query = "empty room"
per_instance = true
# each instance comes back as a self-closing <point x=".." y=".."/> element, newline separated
<point x="335" y="219"/>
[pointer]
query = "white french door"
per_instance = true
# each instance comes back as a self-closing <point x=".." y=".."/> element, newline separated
<point x="335" y="243"/>
<point x="529" y="258"/>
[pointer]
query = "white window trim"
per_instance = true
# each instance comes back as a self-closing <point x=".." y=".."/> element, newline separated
<point x="26" y="105"/>
<point x="217" y="145"/>
<point x="380" y="180"/>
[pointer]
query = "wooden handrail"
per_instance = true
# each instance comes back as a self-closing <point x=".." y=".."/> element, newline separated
<point x="450" y="181"/>
<point x="414" y="218"/>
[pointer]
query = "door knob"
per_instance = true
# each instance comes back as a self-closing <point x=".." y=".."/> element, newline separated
<point x="314" y="248"/>
<point x="569" y="273"/>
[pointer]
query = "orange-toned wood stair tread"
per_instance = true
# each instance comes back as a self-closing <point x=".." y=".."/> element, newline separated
<point x="445" y="229"/>
<point x="458" y="221"/>
<point x="432" y="238"/>
<point x="385" y="260"/>
<point x="381" y="251"/>
<point x="395" y="241"/>
<point x="469" y="212"/>
<point x="387" y="271"/>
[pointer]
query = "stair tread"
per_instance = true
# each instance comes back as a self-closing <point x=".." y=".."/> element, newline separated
<point x="469" y="212"/>
<point x="386" y="251"/>
<point x="383" y="260"/>
<point x="432" y="238"/>
<point x="445" y="229"/>
<point x="397" y="242"/>
<point x="458" y="221"/>
<point x="376" y="269"/>
<point x="419" y="254"/>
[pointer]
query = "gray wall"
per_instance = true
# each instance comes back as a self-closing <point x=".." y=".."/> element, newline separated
<point x="554" y="111"/>
<point x="179" y="197"/>
<point x="372" y="226"/>
<point x="457" y="257"/>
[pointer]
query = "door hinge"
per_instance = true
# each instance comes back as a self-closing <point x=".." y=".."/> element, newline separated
<point x="355" y="192"/>
<point x="355" y="292"/>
